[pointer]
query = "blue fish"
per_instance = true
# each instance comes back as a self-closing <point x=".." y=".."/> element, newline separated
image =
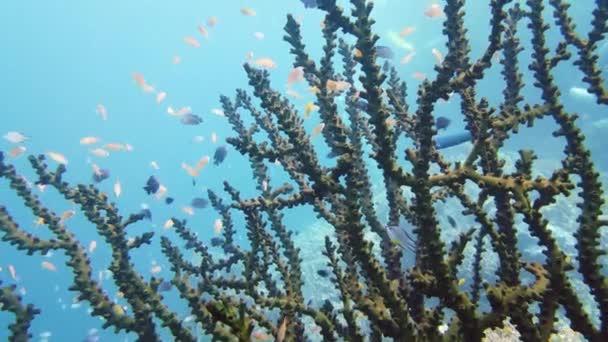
<point x="216" y="241"/>
<point x="442" y="122"/>
<point x="310" y="3"/>
<point x="152" y="185"/>
<point x="191" y="119"/>
<point x="220" y="154"/>
<point x="449" y="140"/>
<point x="385" y="52"/>
<point x="199" y="203"/>
<point x="399" y="235"/>
<point x="101" y="175"/>
<point x="164" y="286"/>
<point x="169" y="200"/>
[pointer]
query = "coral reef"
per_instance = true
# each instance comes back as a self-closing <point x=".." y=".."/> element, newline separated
<point x="384" y="291"/>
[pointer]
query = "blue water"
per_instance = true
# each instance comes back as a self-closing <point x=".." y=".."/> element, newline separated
<point x="59" y="60"/>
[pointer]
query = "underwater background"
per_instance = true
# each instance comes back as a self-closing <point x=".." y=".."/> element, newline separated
<point x="61" y="60"/>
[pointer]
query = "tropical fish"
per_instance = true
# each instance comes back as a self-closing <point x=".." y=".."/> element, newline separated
<point x="293" y="93"/>
<point x="177" y="59"/>
<point x="89" y="140"/>
<point x="100" y="152"/>
<point x="17" y="151"/>
<point x="203" y="31"/>
<point x="419" y="75"/>
<point x="102" y="111"/>
<point x="317" y="130"/>
<point x="180" y="112"/>
<point x="438" y="56"/>
<point x="212" y="21"/>
<point x="13" y="272"/>
<point x="114" y="146"/>
<point x="117" y="189"/>
<point x="220" y="154"/>
<point x="192" y="41"/>
<point x="323" y="273"/>
<point x="152" y="185"/>
<point x="408" y="58"/>
<point x="384" y="52"/>
<point x="258" y="35"/>
<point x="58" y="157"/>
<point x="581" y="93"/>
<point x="169" y="200"/>
<point x="154" y="165"/>
<point x="218" y="112"/>
<point x="442" y="122"/>
<point x="164" y="286"/>
<point x="249" y="55"/>
<point x="67" y="215"/>
<point x="216" y="241"/>
<point x="266" y="63"/>
<point x="296" y="75"/>
<point x="434" y="11"/>
<point x="160" y="97"/>
<point x="155" y="269"/>
<point x="162" y="190"/>
<point x="337" y="86"/>
<point x="118" y="310"/>
<point x="451" y="221"/>
<point x="15" y="137"/>
<point x="191" y="119"/>
<point x="248" y="12"/>
<point x="445" y="141"/>
<point x="407" y="31"/>
<point x="308" y="109"/>
<point x="199" y="203"/>
<point x="400" y="236"/>
<point x="168" y="224"/>
<point x="198" y="139"/>
<point x="47" y="265"/>
<point x="92" y="246"/>
<point x="202" y="162"/>
<point x="213" y="137"/>
<point x="188" y="210"/>
<point x="217" y="226"/>
<point x="309" y="3"/>
<point x="100" y="174"/>
<point x="399" y="42"/>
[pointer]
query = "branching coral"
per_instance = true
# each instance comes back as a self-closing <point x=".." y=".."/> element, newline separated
<point x="381" y="294"/>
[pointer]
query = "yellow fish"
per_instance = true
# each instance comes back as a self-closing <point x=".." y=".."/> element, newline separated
<point x="118" y="310"/>
<point x="358" y="53"/>
<point x="308" y="109"/>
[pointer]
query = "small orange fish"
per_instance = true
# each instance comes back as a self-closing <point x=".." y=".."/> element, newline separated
<point x="203" y="31"/>
<point x="337" y="86"/>
<point x="408" y="58"/>
<point x="188" y="210"/>
<point x="217" y="226"/>
<point x="390" y="122"/>
<point x="192" y="41"/>
<point x="168" y="224"/>
<point x="212" y="21"/>
<point x="92" y="246"/>
<point x="407" y="31"/>
<point x="39" y="221"/>
<point x="248" y="12"/>
<point x="114" y="147"/>
<point x="358" y="53"/>
<point x="438" y="56"/>
<point x="102" y="111"/>
<point x="249" y="55"/>
<point x="265" y="63"/>
<point x="47" y="265"/>
<point x="309" y="108"/>
<point x="296" y="75"/>
<point x="89" y="140"/>
<point x="58" y="157"/>
<point x="148" y="88"/>
<point x="160" y="97"/>
<point x="100" y="152"/>
<point x="434" y="11"/>
<point x="17" y="151"/>
<point x="67" y="215"/>
<point x="190" y="170"/>
<point x="419" y="75"/>
<point x="139" y="79"/>
<point x="317" y="130"/>
<point x="314" y="90"/>
<point x="202" y="162"/>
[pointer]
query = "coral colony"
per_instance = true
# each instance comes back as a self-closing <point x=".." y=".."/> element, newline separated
<point x="386" y="284"/>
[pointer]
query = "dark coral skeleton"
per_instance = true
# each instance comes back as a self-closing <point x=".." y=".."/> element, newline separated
<point x="378" y="296"/>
